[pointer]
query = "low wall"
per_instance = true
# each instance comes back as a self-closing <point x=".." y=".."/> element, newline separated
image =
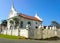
<point x="47" y="33"/>
<point x="58" y="32"/>
<point x="34" y="33"/>
<point x="23" y="32"/>
<point x="37" y="34"/>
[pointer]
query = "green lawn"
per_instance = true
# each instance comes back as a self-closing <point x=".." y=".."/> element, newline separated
<point x="8" y="36"/>
<point x="11" y="37"/>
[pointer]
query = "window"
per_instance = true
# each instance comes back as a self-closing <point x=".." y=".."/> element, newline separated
<point x="21" y="25"/>
<point x="36" y="22"/>
<point x="29" y="23"/>
<point x="44" y="27"/>
<point x="36" y="27"/>
<point x="48" y="27"/>
<point x="11" y="27"/>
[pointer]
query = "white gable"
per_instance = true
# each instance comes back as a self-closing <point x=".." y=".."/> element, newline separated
<point x="13" y="12"/>
<point x="36" y="15"/>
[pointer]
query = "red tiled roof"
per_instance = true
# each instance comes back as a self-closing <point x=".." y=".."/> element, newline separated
<point x="29" y="17"/>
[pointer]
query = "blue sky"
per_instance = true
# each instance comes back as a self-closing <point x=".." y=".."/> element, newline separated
<point x="48" y="10"/>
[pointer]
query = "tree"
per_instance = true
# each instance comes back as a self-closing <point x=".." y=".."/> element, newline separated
<point x="16" y="21"/>
<point x="54" y="23"/>
<point x="4" y="23"/>
<point x="11" y="22"/>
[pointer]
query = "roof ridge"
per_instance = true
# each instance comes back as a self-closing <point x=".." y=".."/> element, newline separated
<point x="29" y="17"/>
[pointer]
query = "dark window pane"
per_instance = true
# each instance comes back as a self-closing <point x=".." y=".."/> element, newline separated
<point x="29" y="23"/>
<point x="21" y="25"/>
<point x="36" y="27"/>
<point x="36" y="22"/>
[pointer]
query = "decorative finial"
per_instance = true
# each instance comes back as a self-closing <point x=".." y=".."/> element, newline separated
<point x="12" y="7"/>
<point x="36" y="14"/>
<point x="12" y="3"/>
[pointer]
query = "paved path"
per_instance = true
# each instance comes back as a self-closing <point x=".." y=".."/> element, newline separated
<point x="25" y="41"/>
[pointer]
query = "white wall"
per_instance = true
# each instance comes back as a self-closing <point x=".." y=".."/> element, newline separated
<point x="23" y="32"/>
<point x="33" y="23"/>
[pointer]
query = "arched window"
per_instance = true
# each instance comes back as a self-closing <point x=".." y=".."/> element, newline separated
<point x="21" y="24"/>
<point x="36" y="22"/>
<point x="44" y="27"/>
<point x="11" y="27"/>
<point x="29" y="23"/>
<point x="36" y="27"/>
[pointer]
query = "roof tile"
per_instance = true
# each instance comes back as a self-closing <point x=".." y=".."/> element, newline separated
<point x="29" y="17"/>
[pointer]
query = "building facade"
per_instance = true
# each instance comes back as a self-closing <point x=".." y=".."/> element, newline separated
<point x="25" y="22"/>
<point x="34" y="22"/>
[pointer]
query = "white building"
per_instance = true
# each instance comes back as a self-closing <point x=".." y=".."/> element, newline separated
<point x="33" y="21"/>
<point x="26" y="22"/>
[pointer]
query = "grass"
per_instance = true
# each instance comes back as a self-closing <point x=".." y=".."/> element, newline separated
<point x="11" y="37"/>
<point x="22" y="37"/>
<point x="8" y="36"/>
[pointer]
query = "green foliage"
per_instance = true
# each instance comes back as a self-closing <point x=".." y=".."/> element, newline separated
<point x="11" y="22"/>
<point x="11" y="37"/>
<point x="14" y="18"/>
<point x="54" y="23"/>
<point x="4" y="23"/>
<point x="8" y="36"/>
<point x="16" y="21"/>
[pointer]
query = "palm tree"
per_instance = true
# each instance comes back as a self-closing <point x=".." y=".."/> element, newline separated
<point x="11" y="27"/>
